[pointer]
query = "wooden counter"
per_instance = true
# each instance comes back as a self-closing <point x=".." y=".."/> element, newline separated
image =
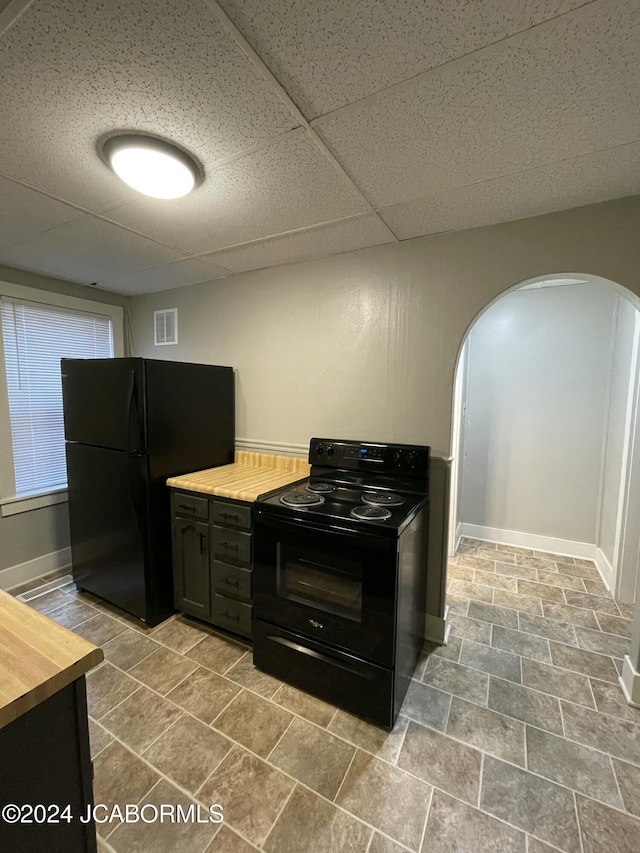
<point x="251" y="474"/>
<point x="38" y="658"/>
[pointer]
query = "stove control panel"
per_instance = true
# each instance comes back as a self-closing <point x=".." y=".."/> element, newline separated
<point x="411" y="459"/>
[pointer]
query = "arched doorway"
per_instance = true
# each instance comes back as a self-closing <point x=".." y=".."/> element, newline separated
<point x="521" y="447"/>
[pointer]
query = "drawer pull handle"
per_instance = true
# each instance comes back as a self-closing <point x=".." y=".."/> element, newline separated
<point x="234" y="617"/>
<point x="230" y="582"/>
<point x="203" y="540"/>
<point x="186" y="507"/>
<point x="228" y="515"/>
<point x="226" y="545"/>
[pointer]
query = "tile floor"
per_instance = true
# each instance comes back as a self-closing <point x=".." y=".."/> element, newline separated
<point x="514" y="737"/>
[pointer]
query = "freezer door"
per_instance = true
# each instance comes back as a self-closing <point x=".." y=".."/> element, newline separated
<point x="107" y="518"/>
<point x="103" y="400"/>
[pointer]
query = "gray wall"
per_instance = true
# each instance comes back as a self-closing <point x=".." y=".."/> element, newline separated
<point x="537" y="401"/>
<point x="364" y="344"/>
<point x="29" y="535"/>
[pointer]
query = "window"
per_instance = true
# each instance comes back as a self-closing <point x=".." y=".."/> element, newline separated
<point x="35" y="336"/>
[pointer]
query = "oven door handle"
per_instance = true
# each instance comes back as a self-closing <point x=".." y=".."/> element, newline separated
<point x="344" y="536"/>
<point x="303" y="650"/>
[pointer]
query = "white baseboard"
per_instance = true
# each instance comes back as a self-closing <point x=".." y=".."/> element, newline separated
<point x="566" y="547"/>
<point x="435" y="627"/>
<point x="605" y="568"/>
<point x="458" y="537"/>
<point x="32" y="569"/>
<point x="272" y="447"/>
<point x="630" y="682"/>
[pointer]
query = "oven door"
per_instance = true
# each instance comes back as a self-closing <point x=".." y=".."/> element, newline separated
<point x="335" y="586"/>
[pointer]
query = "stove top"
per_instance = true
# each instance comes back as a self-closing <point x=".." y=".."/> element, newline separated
<point x="356" y="485"/>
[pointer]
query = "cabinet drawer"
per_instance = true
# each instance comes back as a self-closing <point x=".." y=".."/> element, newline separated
<point x="231" y="580"/>
<point x="231" y="546"/>
<point x="191" y="506"/>
<point x="231" y="515"/>
<point x="231" y="614"/>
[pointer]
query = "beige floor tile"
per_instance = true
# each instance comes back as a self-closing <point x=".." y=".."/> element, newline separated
<point x="515" y="570"/>
<point x="609" y="734"/>
<point x="530" y="706"/>
<point x="140" y="719"/>
<point x="578" y="571"/>
<point x="100" y="629"/>
<point x="491" y="660"/>
<point x="457" y="604"/>
<point x="303" y="739"/>
<point x="462" y="681"/>
<point x="49" y="601"/>
<point x="203" y="694"/>
<point x="573" y="615"/>
<point x="247" y="675"/>
<point x="439" y="760"/>
<point x="106" y="688"/>
<point x="557" y="682"/>
<point x="98" y="738"/>
<point x="563" y="581"/>
<point x="128" y="649"/>
<point x="534" y="562"/>
<point x="493" y="614"/>
<point x="166" y="836"/>
<point x="606" y="644"/>
<point x="604" y="829"/>
<point x="596" y="603"/>
<point x="382" y="844"/>
<point x="392" y="801"/>
<point x="572" y="765"/>
<point x="455" y="827"/>
<point x="217" y="653"/>
<point x="305" y="705"/>
<point x="550" y="629"/>
<point x="518" y="601"/>
<point x="532" y="804"/>
<point x="254" y="722"/>
<point x="614" y="625"/>
<point x="188" y="752"/>
<point x="251" y="792"/>
<point x="377" y="741"/>
<point x="163" y="670"/>
<point x="588" y="663"/>
<point x="628" y="776"/>
<point x="521" y="643"/>
<point x="473" y="562"/>
<point x="310" y="824"/>
<point x="228" y="841"/>
<point x="471" y="590"/>
<point x="610" y="700"/>
<point x="487" y="730"/>
<point x="179" y="634"/>
<point x="72" y="614"/>
<point x="496" y="580"/>
<point x="541" y="590"/>
<point x="119" y="777"/>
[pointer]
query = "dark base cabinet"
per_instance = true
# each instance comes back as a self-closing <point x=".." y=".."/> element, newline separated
<point x="212" y="560"/>
<point x="46" y="763"/>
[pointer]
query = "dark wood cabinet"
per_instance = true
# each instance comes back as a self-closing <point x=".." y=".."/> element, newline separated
<point x="212" y="560"/>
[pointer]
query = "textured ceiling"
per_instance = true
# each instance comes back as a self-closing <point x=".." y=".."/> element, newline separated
<point x="322" y="126"/>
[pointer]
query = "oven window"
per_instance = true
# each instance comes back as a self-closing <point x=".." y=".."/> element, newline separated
<point x="329" y="583"/>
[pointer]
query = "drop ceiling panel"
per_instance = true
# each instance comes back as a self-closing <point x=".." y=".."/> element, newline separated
<point x="88" y="250"/>
<point x="327" y="54"/>
<point x="306" y="245"/>
<point x="24" y="213"/>
<point x="72" y="71"/>
<point x="287" y="185"/>
<point x="570" y="87"/>
<point x="572" y="183"/>
<point x="178" y="274"/>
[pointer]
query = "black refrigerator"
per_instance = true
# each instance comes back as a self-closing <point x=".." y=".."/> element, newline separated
<point x="129" y="424"/>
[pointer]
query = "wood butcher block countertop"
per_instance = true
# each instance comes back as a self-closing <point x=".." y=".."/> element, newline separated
<point x="251" y="474"/>
<point x="38" y="658"/>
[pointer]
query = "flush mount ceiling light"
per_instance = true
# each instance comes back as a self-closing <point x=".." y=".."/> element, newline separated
<point x="152" y="166"/>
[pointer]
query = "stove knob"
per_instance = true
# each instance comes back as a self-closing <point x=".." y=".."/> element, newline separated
<point x="320" y="449"/>
<point x="330" y="450"/>
<point x="398" y="458"/>
<point x="412" y="459"/>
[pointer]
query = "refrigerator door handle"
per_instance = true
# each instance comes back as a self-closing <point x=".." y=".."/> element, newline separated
<point x="131" y="393"/>
<point x="135" y="492"/>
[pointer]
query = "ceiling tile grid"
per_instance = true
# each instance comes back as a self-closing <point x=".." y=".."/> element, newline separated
<point x="73" y="70"/>
<point x="440" y="114"/>
<point x="286" y="185"/>
<point x="566" y="89"/>
<point x="317" y="242"/>
<point x="331" y="53"/>
<point x="572" y="183"/>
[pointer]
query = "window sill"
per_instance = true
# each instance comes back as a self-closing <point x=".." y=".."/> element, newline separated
<point x="13" y="506"/>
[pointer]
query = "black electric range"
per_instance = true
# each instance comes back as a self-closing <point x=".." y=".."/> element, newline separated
<point x="340" y="573"/>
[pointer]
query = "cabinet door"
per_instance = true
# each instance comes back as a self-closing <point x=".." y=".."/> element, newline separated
<point x="191" y="567"/>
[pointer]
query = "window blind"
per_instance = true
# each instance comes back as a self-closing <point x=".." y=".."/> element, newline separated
<point x="35" y="338"/>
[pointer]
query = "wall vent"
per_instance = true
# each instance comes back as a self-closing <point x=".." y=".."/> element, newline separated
<point x="165" y="325"/>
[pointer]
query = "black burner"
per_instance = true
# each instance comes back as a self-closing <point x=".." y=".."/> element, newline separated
<point x="301" y="499"/>
<point x="370" y="513"/>
<point x="382" y="499"/>
<point x="320" y="488"/>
